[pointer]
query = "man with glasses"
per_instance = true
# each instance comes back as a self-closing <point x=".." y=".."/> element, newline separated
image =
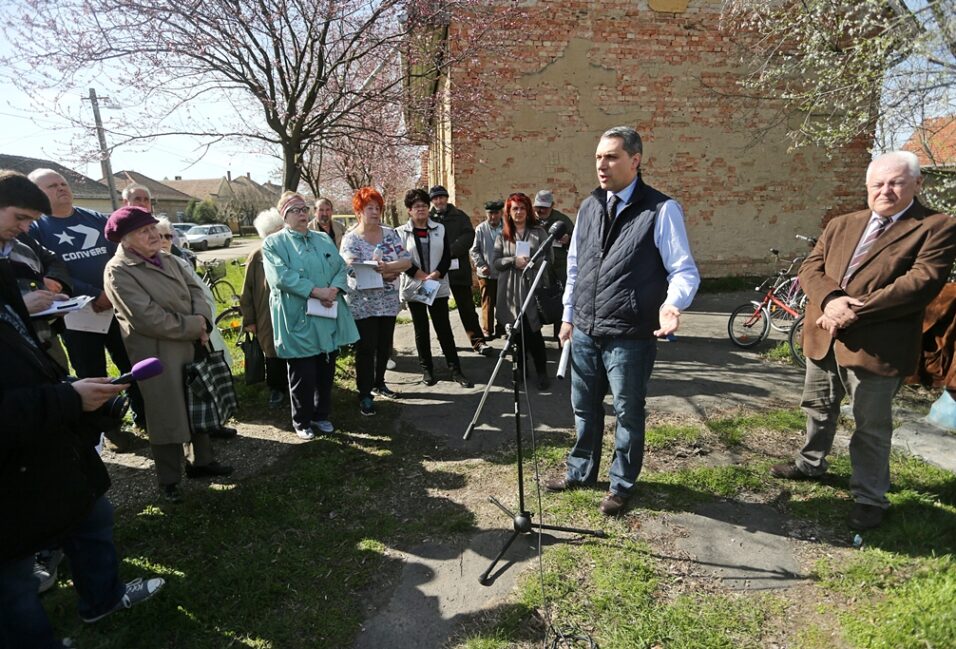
<point x="868" y="280"/>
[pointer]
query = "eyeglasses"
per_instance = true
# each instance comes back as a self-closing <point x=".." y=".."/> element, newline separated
<point x="168" y="237"/>
<point x="297" y="210"/>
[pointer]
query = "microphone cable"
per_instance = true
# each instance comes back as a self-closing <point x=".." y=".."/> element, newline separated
<point x="568" y="638"/>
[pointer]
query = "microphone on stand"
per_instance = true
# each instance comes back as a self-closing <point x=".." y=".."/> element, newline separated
<point x="145" y="369"/>
<point x="556" y="231"/>
<point x="563" y="363"/>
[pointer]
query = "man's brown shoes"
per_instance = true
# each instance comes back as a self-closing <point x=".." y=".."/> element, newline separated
<point x="560" y="484"/>
<point x="613" y="504"/>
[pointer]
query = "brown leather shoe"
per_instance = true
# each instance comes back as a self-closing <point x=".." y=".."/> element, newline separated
<point x="790" y="471"/>
<point x="560" y="484"/>
<point x="865" y="517"/>
<point x="613" y="504"/>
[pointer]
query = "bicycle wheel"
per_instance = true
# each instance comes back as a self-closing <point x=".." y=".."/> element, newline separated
<point x="224" y="292"/>
<point x="748" y="325"/>
<point x="795" y="342"/>
<point x="789" y="293"/>
<point x="229" y="323"/>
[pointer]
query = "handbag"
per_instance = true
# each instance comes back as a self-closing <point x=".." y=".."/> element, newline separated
<point x="549" y="299"/>
<point x="255" y="360"/>
<point x="210" y="393"/>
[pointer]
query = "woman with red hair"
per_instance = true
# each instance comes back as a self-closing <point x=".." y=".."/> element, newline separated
<point x="520" y="225"/>
<point x="379" y="248"/>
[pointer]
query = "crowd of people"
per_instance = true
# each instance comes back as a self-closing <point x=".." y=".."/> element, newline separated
<point x="314" y="287"/>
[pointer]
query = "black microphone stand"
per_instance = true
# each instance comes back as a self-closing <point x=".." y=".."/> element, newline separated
<point x="522" y="522"/>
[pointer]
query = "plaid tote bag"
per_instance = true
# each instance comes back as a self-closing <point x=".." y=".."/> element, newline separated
<point x="210" y="393"/>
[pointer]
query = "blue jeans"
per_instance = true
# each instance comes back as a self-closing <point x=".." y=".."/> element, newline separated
<point x="624" y="365"/>
<point x="94" y="564"/>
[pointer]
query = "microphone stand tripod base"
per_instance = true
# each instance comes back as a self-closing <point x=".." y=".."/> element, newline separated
<point x="523" y="524"/>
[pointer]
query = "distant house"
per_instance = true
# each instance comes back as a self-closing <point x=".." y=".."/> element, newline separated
<point x="239" y="200"/>
<point x="87" y="192"/>
<point x="934" y="143"/>
<point x="166" y="200"/>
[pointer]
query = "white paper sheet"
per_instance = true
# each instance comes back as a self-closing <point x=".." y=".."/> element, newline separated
<point x="522" y="249"/>
<point x="454" y="264"/>
<point x="66" y="306"/>
<point x="316" y="308"/>
<point x="86" y="319"/>
<point x="366" y="276"/>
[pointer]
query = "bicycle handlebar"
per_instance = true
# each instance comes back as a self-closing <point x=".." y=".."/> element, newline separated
<point x="810" y="240"/>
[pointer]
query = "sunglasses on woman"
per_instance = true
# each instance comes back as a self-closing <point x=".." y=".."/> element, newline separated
<point x="168" y="237"/>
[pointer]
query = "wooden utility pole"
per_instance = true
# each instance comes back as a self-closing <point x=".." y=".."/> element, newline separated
<point x="104" y="152"/>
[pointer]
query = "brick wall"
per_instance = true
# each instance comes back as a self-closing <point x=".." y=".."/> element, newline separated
<point x="579" y="67"/>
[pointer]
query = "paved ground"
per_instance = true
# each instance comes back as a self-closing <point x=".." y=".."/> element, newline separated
<point x="748" y="546"/>
<point x="239" y="249"/>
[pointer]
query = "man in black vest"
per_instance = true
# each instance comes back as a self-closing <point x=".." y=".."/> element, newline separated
<point x="630" y="274"/>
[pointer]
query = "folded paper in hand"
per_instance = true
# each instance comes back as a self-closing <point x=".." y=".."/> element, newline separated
<point x="523" y="249"/>
<point x="427" y="291"/>
<point x="316" y="308"/>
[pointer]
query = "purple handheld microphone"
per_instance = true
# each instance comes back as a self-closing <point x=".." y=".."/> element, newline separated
<point x="145" y="369"/>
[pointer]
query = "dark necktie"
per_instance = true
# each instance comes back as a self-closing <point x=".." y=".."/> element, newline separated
<point x="863" y="248"/>
<point x="612" y="208"/>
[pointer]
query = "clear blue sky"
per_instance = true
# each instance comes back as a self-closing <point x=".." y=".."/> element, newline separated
<point x="27" y="129"/>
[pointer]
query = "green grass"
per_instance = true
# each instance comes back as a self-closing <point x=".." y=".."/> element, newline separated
<point x="613" y="592"/>
<point x="706" y="483"/>
<point x="287" y="559"/>
<point x="732" y="431"/>
<point x="896" y="591"/>
<point x="667" y="435"/>
<point x="780" y="354"/>
<point x="283" y="559"/>
<point x="915" y="614"/>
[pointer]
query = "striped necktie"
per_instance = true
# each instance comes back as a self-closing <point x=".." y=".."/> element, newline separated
<point x="863" y="248"/>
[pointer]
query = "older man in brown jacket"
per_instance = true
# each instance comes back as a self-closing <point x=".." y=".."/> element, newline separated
<point x="868" y="280"/>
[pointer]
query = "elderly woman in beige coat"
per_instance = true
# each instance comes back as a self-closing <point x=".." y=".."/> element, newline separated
<point x="162" y="312"/>
<point x="254" y="304"/>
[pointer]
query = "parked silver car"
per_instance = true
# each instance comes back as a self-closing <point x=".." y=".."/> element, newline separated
<point x="201" y="237"/>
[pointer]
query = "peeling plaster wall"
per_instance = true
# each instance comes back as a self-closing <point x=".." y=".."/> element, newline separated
<point x="664" y="68"/>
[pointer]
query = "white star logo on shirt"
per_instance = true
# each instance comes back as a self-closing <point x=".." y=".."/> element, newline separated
<point x="65" y="238"/>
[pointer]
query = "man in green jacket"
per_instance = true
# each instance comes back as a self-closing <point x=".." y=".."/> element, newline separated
<point x="461" y="234"/>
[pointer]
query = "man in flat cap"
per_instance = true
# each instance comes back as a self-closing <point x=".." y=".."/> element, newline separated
<point x="461" y="234"/>
<point x="482" y="253"/>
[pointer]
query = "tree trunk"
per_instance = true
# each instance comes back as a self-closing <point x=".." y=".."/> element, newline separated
<point x="291" y="166"/>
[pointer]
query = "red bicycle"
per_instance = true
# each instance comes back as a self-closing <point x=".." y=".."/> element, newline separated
<point x="782" y="304"/>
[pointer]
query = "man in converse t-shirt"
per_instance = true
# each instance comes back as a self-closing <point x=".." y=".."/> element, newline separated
<point x="76" y="235"/>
